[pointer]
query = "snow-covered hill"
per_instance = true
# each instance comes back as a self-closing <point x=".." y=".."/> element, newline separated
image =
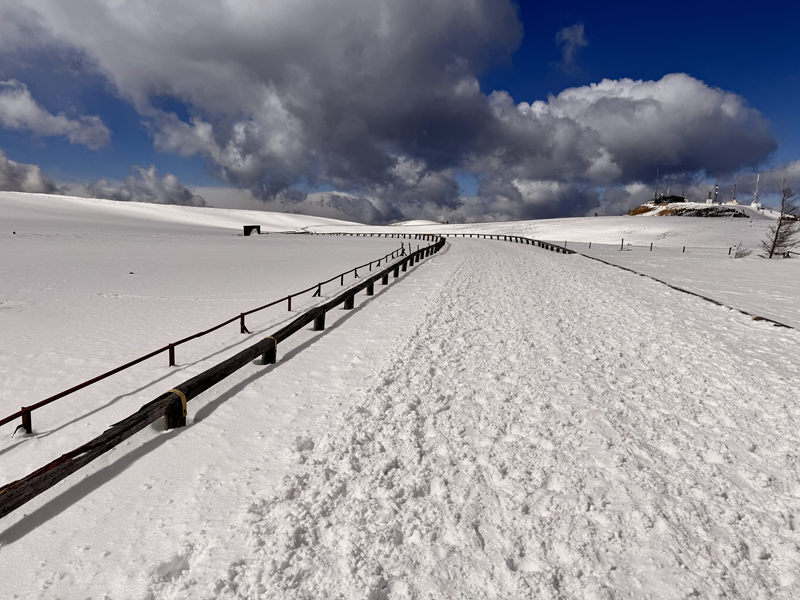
<point x="501" y="421"/>
<point x="44" y="213"/>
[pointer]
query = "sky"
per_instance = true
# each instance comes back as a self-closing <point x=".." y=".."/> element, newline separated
<point x="386" y="110"/>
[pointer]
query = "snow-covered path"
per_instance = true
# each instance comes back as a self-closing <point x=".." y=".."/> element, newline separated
<point x="507" y="422"/>
<point x="553" y="428"/>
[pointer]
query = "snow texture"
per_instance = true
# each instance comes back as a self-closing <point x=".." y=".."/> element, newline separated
<point x="582" y="437"/>
<point x="501" y="421"/>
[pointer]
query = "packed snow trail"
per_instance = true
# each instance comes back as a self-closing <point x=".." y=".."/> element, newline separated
<point x="553" y="428"/>
<point x="503" y="421"/>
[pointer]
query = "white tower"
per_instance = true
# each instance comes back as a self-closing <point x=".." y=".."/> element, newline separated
<point x="756" y="202"/>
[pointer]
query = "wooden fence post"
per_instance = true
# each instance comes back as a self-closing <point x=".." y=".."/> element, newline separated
<point x="371" y="288"/>
<point x="404" y="265"/>
<point x="171" y="355"/>
<point x="396" y="271"/>
<point x="175" y="414"/>
<point x="319" y="321"/>
<point x="270" y="356"/>
<point x="27" y="424"/>
<point x="385" y="279"/>
<point x="349" y="302"/>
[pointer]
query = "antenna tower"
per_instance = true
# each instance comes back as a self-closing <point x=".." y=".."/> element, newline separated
<point x="655" y="191"/>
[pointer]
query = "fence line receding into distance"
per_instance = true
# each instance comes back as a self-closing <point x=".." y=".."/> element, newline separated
<point x="25" y="413"/>
<point x="172" y="405"/>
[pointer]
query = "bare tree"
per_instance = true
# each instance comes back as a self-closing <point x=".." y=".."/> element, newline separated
<point x="782" y="235"/>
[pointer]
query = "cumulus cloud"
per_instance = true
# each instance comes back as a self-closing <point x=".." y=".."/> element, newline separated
<point x="18" y="110"/>
<point x="380" y="100"/>
<point x="619" y="131"/>
<point x="147" y="187"/>
<point x="20" y="177"/>
<point x="570" y="39"/>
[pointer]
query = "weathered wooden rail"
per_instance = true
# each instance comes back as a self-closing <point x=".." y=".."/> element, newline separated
<point x="172" y="405"/>
<point x="26" y="411"/>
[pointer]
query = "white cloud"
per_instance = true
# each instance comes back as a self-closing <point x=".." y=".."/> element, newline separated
<point x="620" y="131"/>
<point x="570" y="39"/>
<point x="20" y="177"/>
<point x="147" y="187"/>
<point x="379" y="99"/>
<point x="18" y="110"/>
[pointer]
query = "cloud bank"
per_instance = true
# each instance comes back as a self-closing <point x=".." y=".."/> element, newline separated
<point x="147" y="187"/>
<point x="19" y="177"/>
<point x="380" y="101"/>
<point x="18" y="110"/>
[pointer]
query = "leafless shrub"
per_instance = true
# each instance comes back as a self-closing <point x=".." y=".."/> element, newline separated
<point x="739" y="252"/>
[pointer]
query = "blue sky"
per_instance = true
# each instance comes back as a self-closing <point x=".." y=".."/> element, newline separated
<point x="392" y="153"/>
<point x="747" y="48"/>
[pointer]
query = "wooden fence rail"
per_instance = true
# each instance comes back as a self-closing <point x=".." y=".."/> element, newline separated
<point x="25" y="412"/>
<point x="172" y="405"/>
<point x="486" y="236"/>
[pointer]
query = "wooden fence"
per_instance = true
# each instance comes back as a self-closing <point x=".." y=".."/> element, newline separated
<point x="26" y="412"/>
<point x="172" y="405"/>
<point x="506" y="238"/>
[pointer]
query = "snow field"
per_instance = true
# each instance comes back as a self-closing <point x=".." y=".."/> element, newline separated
<point x="163" y="508"/>
<point x="501" y="422"/>
<point x="47" y="214"/>
<point x="75" y="306"/>
<point x="766" y="288"/>
<point x="552" y="428"/>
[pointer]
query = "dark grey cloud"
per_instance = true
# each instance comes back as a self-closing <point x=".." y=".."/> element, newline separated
<point x="380" y="100"/>
<point x="772" y="179"/>
<point x="20" y="177"/>
<point x="147" y="187"/>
